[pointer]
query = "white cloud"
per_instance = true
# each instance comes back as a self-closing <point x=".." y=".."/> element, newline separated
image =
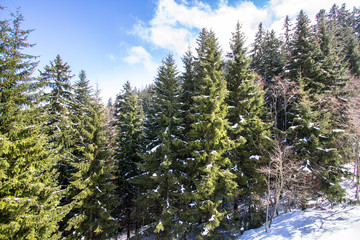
<point x="177" y="23"/>
<point x="140" y="55"/>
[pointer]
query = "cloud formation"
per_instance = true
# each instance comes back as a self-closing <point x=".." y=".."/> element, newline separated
<point x="139" y="55"/>
<point x="176" y="24"/>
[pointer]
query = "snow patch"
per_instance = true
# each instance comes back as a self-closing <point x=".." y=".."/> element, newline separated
<point x="256" y="157"/>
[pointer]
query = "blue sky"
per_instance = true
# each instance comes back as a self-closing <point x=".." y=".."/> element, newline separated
<point x="119" y="40"/>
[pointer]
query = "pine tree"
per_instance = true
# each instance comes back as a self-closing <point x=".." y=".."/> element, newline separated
<point x="29" y="196"/>
<point x="333" y="63"/>
<point x="57" y="103"/>
<point x="246" y="109"/>
<point x="91" y="185"/>
<point x="213" y="181"/>
<point x="287" y="35"/>
<point x="129" y="138"/>
<point x="352" y="51"/>
<point x="313" y="136"/>
<point x="257" y="48"/>
<point x="189" y="89"/>
<point x="305" y="60"/>
<point x="162" y="166"/>
<point x="273" y="58"/>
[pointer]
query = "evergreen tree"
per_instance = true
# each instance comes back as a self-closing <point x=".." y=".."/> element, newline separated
<point x="189" y="88"/>
<point x="352" y="51"/>
<point x="57" y="103"/>
<point x="273" y="58"/>
<point x="305" y="60"/>
<point x="162" y="166"/>
<point x="91" y="183"/>
<point x="333" y="63"/>
<point x="246" y="109"/>
<point x="257" y="48"/>
<point x="129" y="137"/>
<point x="29" y="196"/>
<point x="313" y="136"/>
<point x="287" y="35"/>
<point x="213" y="181"/>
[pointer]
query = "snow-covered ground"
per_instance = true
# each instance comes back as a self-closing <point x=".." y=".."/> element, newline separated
<point x="339" y="223"/>
<point x="342" y="222"/>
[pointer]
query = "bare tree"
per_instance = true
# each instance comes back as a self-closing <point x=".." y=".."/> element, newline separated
<point x="353" y="134"/>
<point x="280" y="95"/>
<point x="287" y="181"/>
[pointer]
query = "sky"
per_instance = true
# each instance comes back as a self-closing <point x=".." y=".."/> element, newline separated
<point x="116" y="41"/>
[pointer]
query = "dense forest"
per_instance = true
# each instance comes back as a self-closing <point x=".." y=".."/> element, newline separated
<point x="222" y="146"/>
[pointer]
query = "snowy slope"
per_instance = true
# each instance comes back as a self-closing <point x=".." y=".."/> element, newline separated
<point x="339" y="223"/>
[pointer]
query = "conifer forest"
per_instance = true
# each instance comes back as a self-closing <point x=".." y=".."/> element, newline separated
<point x="221" y="146"/>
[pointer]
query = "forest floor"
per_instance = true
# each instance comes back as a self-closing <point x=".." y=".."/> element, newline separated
<point x="342" y="221"/>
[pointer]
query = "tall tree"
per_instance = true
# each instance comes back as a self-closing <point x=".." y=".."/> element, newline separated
<point x="287" y="34"/>
<point x="188" y="90"/>
<point x="273" y="57"/>
<point x="257" y="48"/>
<point x="246" y="110"/>
<point x="91" y="187"/>
<point x="57" y="102"/>
<point x="305" y="60"/>
<point x="129" y="137"/>
<point x="312" y="136"/>
<point x="162" y="166"/>
<point x="208" y="139"/>
<point x="333" y="61"/>
<point x="29" y="196"/>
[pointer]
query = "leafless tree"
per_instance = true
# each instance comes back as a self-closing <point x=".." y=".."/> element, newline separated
<point x="287" y="180"/>
<point x="353" y="134"/>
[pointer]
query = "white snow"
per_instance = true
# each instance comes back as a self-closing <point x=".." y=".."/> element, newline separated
<point x="242" y="119"/>
<point x="341" y="222"/>
<point x="257" y="157"/>
<point x="338" y="130"/>
<point x="326" y="149"/>
<point x="206" y="231"/>
<point x="154" y="149"/>
<point x="98" y="189"/>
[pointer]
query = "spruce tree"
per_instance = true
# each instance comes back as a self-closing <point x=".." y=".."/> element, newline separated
<point x="213" y="181"/>
<point x="188" y="90"/>
<point x="257" y="48"/>
<point x="128" y="138"/>
<point x="333" y="62"/>
<point x="29" y="194"/>
<point x="246" y="110"/>
<point x="312" y="136"/>
<point x="273" y="58"/>
<point x="91" y="187"/>
<point x="287" y="35"/>
<point x="305" y="59"/>
<point x="162" y="166"/>
<point x="57" y="103"/>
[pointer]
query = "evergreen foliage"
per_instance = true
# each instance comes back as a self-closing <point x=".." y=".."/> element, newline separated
<point x="162" y="167"/>
<point x="188" y="156"/>
<point x="246" y="110"/>
<point x="129" y="137"/>
<point x="312" y="136"/>
<point x="57" y="103"/>
<point x="91" y="183"/>
<point x="208" y="140"/>
<point x="29" y="194"/>
<point x="305" y="59"/>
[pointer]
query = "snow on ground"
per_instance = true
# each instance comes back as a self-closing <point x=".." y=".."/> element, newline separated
<point x="341" y="222"/>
